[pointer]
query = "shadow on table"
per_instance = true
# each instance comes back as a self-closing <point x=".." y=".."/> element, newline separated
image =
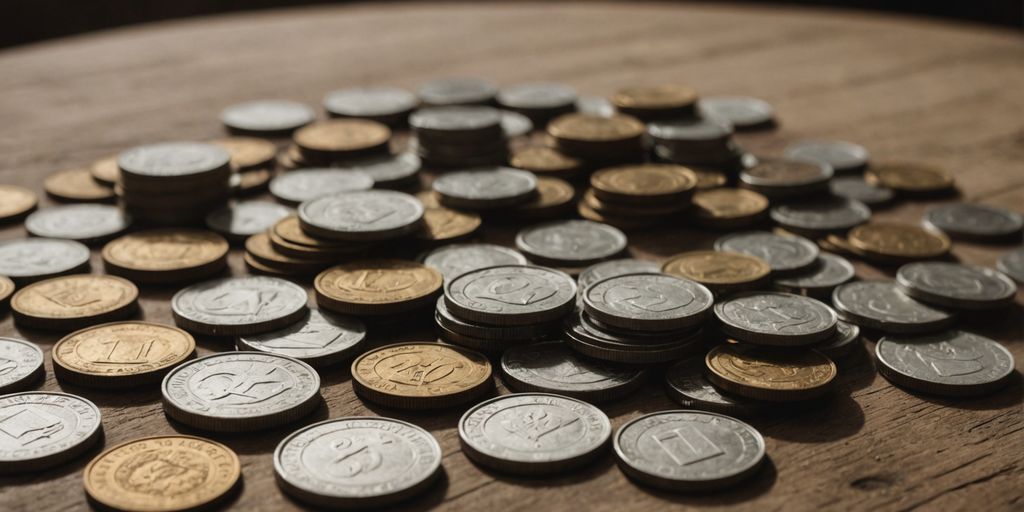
<point x="759" y="484"/>
<point x="1009" y="396"/>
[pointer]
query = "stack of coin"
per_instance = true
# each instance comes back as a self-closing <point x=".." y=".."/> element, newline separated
<point x="648" y="102"/>
<point x="601" y="139"/>
<point x="325" y="143"/>
<point x="381" y="288"/>
<point x="447" y="137"/>
<point x="697" y="141"/>
<point x="787" y="179"/>
<point x="290" y="245"/>
<point x="638" y="195"/>
<point x="174" y="183"/>
<point x="485" y="188"/>
<point x="261" y="255"/>
<point x="540" y="101"/>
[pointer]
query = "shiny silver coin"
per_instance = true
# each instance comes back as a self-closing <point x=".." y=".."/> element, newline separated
<point x="648" y="302"/>
<point x="457" y="91"/>
<point x="534" y="433"/>
<point x="743" y="112"/>
<point x="775" y="318"/>
<point x="21" y="365"/>
<point x="842" y="156"/>
<point x="31" y="259"/>
<point x="589" y="339"/>
<point x="784" y="254"/>
<point x="514" y="124"/>
<point x="173" y="160"/>
<point x="552" y="367"/>
<point x="267" y="116"/>
<point x="485" y="333"/>
<point x="613" y="268"/>
<point x="974" y="222"/>
<point x="452" y="121"/>
<point x="818" y="280"/>
<point x="454" y="260"/>
<point x="956" y="285"/>
<point x="688" y="450"/>
<point x="362" y="216"/>
<point x="86" y="223"/>
<point x="881" y="306"/>
<point x="485" y="188"/>
<point x="240" y="391"/>
<point x="244" y="219"/>
<point x="949" y="363"/>
<point x="783" y="178"/>
<point x="357" y="462"/>
<point x="686" y="383"/>
<point x="595" y="106"/>
<point x="821" y="216"/>
<point x="510" y="295"/>
<point x="372" y="102"/>
<point x="537" y="96"/>
<point x="391" y="171"/>
<point x="321" y="339"/>
<point x="237" y="306"/>
<point x="572" y="243"/>
<point x="843" y="343"/>
<point x="43" y="429"/>
<point x="854" y="187"/>
<point x="1012" y="264"/>
<point x="308" y="184"/>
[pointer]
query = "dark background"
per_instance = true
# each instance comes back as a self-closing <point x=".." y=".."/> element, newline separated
<point x="25" y="21"/>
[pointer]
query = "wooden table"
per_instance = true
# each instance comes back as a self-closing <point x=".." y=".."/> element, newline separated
<point x="906" y="88"/>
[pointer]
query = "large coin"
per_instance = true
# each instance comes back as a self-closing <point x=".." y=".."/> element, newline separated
<point x="21" y="364"/>
<point x="882" y="306"/>
<point x="307" y="184"/>
<point x="644" y="183"/>
<point x="833" y="214"/>
<point x="362" y="216"/>
<point x="743" y="112"/>
<point x="821" y="278"/>
<point x="246" y="218"/>
<point x="570" y="242"/>
<point x="648" y="302"/>
<point x="16" y="202"/>
<point x="377" y="287"/>
<point x="385" y="104"/>
<point x="951" y="363"/>
<point x="457" y="91"/>
<point x="235" y="306"/>
<point x="686" y="382"/>
<point x="166" y="255"/>
<point x="481" y="189"/>
<point x="892" y="242"/>
<point x="551" y="367"/>
<point x="720" y="271"/>
<point x="72" y="302"/>
<point x="772" y="375"/>
<point x="973" y="222"/>
<point x="456" y="259"/>
<point x="43" y="429"/>
<point x="782" y="253"/>
<point x="320" y="340"/>
<point x="534" y="433"/>
<point x="511" y="295"/>
<point x="86" y="223"/>
<point x="956" y="285"/>
<point x="170" y="160"/>
<point x="775" y="318"/>
<point x="844" y="157"/>
<point x="421" y="376"/>
<point x="120" y="354"/>
<point x="267" y="116"/>
<point x="32" y="259"/>
<point x="1012" y="264"/>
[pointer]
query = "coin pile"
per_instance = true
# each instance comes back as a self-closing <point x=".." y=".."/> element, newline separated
<point x="638" y="195"/>
<point x="453" y="137"/>
<point x="598" y="139"/>
<point x="702" y="141"/>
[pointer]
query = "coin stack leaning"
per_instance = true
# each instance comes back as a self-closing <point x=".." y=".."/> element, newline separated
<point x="451" y="137"/>
<point x="638" y="195"/>
<point x="174" y="183"/>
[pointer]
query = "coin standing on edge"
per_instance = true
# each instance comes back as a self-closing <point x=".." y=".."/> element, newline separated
<point x="950" y="363"/>
<point x="772" y="375"/>
<point x="235" y="306"/>
<point x="45" y="429"/>
<point x="21" y="365"/>
<point x="320" y="340"/>
<point x="552" y="367"/>
<point x="417" y="376"/>
<point x="120" y="354"/>
<point x="75" y="301"/>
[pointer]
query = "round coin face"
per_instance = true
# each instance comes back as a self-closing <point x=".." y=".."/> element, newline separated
<point x="456" y="259"/>
<point x="775" y="318"/>
<point x="899" y="241"/>
<point x="77" y="185"/>
<point x="854" y="187"/>
<point x="457" y="91"/>
<point x="971" y="221"/>
<point x="717" y="268"/>
<point x="686" y="382"/>
<point x="537" y="96"/>
<point x="389" y="170"/>
<point x="81" y="222"/>
<point x="882" y="306"/>
<point x="612" y="268"/>
<point x="342" y="136"/>
<point x="16" y="201"/>
<point x="782" y="253"/>
<point x="954" y="363"/>
<point x="827" y="272"/>
<point x="910" y="177"/>
<point x="772" y="375"/>
<point x="370" y="102"/>
<point x="32" y="259"/>
<point x="552" y="367"/>
<point x="234" y="306"/>
<point x="267" y="116"/>
<point x="646" y="181"/>
<point x="321" y="339"/>
<point x="105" y="170"/>
<point x="743" y="112"/>
<point x="246" y="218"/>
<point x="44" y="429"/>
<point x="173" y="160"/>
<point x="841" y="155"/>
<point x="1012" y="264"/>
<point x="596" y="128"/>
<point x="510" y="295"/>
<point x="163" y="473"/>
<point x="571" y="242"/>
<point x="369" y="215"/>
<point x="307" y="184"/>
<point x="70" y="301"/>
<point x="648" y="302"/>
<point x="655" y="97"/>
<point x="421" y="375"/>
<point x="165" y="250"/>
<point x="121" y="354"/>
<point x="823" y="215"/>
<point x="725" y="205"/>
<point x="377" y="286"/>
<point x="21" y="364"/>
<point x="956" y="285"/>
<point x="499" y="186"/>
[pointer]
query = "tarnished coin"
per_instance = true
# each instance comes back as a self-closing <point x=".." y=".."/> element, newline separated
<point x="388" y="105"/>
<point x="362" y="216"/>
<point x="720" y="271"/>
<point x="120" y="354"/>
<point x="729" y="207"/>
<point x="648" y="302"/>
<point x="173" y="160"/>
<point x="342" y="138"/>
<point x="320" y="340"/>
<point x="377" y="287"/>
<point x="480" y="189"/>
<point x="844" y="157"/>
<point x="783" y="254"/>
<point x="236" y="306"/>
<point x="16" y="202"/>
<point x="787" y="178"/>
<point x="552" y="367"/>
<point x="845" y="341"/>
<point x="644" y="183"/>
<point x="571" y="243"/>
<point x="307" y="184"/>
<point x="267" y="116"/>
<point x="974" y="222"/>
<point x="647" y="99"/>
<point x="72" y="302"/>
<point x="444" y="224"/>
<point x="86" y="223"/>
<point x="545" y="161"/>
<point x="240" y="391"/>
<point x="775" y="318"/>
<point x="743" y="112"/>
<point x="821" y="216"/>
<point x="244" y="219"/>
<point x="854" y="187"/>
<point x="456" y="259"/>
<point x="421" y="376"/>
<point x="686" y="382"/>
<point x="950" y="363"/>
<point x="514" y="124"/>
<point x="776" y="376"/>
<point x="956" y="285"/>
<point x="827" y="272"/>
<point x="44" y="429"/>
<point x="32" y="259"/>
<point x="21" y="365"/>
<point x="534" y="433"/>
<point x="684" y="451"/>
<point x="105" y="171"/>
<point x="612" y="268"/>
<point x="1012" y="264"/>
<point x="882" y="306"/>
<point x="510" y="295"/>
<point x="248" y="152"/>
<point x="166" y="255"/>
<point x="163" y="474"/>
<point x="357" y="462"/>
<point x="390" y="171"/>
<point x="457" y="91"/>
<point x="910" y="178"/>
<point x="76" y="185"/>
<point x="896" y="243"/>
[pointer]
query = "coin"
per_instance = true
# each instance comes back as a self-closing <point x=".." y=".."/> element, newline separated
<point x="246" y="218"/>
<point x="783" y="254"/>
<point x="457" y="91"/>
<point x="421" y="376"/>
<point x="772" y="375"/>
<point x="821" y="216"/>
<point x="683" y="451"/>
<point x="583" y="335"/>
<point x="357" y="462"/>
<point x="780" y="179"/>
<point x="743" y="112"/>
<point x="481" y="189"/>
<point x="267" y="117"/>
<point x="341" y="138"/>
<point x="533" y="433"/>
<point x="21" y="365"/>
<point x="552" y="367"/>
<point x="362" y="216"/>
<point x="686" y="383"/>
<point x="120" y="354"/>
<point x="105" y="171"/>
<point x="827" y="272"/>
<point x="644" y="183"/>
<point x="377" y="287"/>
<point x="6" y="289"/>
<point x="32" y="259"/>
<point x="554" y="197"/>
<point x="45" y="429"/>
<point x="307" y="184"/>
<point x="594" y="128"/>
<point x="854" y="187"/>
<point x="648" y="302"/>
<point x="456" y="259"/>
<point x="16" y="202"/>
<point x="514" y="124"/>
<point x="720" y="271"/>
<point x="236" y="306"/>
<point x="166" y="255"/>
<point x="86" y="223"/>
<point x="910" y="178"/>
<point x="258" y="247"/>
<point x="890" y="242"/>
<point x="487" y="337"/>
<point x="76" y="185"/>
<point x="775" y="318"/>
<point x="163" y="473"/>
<point x="510" y="295"/>
<point x="181" y="160"/>
<point x="538" y="98"/>
<point x="444" y="224"/>
<point x="956" y="285"/>
<point x="612" y="268"/>
<point x="842" y="156"/>
<point x="455" y="123"/>
<point x="546" y="161"/>
<point x="388" y="171"/>
<point x="570" y="242"/>
<point x="384" y="104"/>
<point x="882" y="306"/>
<point x="845" y="341"/>
<point x="650" y="99"/>
<point x="240" y="391"/>
<point x="708" y="179"/>
<point x="975" y="222"/>
<point x="1012" y="264"/>
<point x="75" y="301"/>
<point x="706" y="140"/>
<point x="320" y="340"/>
<point x="729" y="207"/>
<point x="248" y="152"/>
<point x="950" y="363"/>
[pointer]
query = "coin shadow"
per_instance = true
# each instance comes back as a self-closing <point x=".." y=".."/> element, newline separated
<point x="833" y="418"/>
<point x="428" y="500"/>
<point x="1005" y="325"/>
<point x="252" y="442"/>
<point x="115" y="398"/>
<point x="1004" y="398"/>
<point x="592" y="470"/>
<point x="757" y="485"/>
<point x="857" y="369"/>
<point x="73" y="466"/>
<point x="670" y="240"/>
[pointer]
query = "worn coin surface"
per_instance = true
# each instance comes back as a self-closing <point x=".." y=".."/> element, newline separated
<point x="648" y="302"/>
<point x="686" y="382"/>
<point x="32" y="259"/>
<point x="457" y="91"/>
<point x="16" y="202"/>
<point x="320" y="339"/>
<point x="818" y="216"/>
<point x="267" y="116"/>
<point x="356" y="216"/>
<point x="822" y="277"/>
<point x="782" y="253"/>
<point x="775" y="318"/>
<point x="956" y="285"/>
<point x="77" y="185"/>
<point x="552" y="367"/>
<point x="1012" y="264"/>
<point x="454" y="260"/>
<point x="485" y="188"/>
<point x="570" y="242"/>
<point x="166" y="255"/>
<point x="720" y="271"/>
<point x="854" y="187"/>
<point x="43" y="429"/>
<point x="307" y="184"/>
<point x="120" y="354"/>
<point x="612" y="268"/>
<point x="841" y="155"/>
<point x="897" y="242"/>
<point x="910" y="178"/>
<point x="377" y="287"/>
<point x="234" y="306"/>
<point x="82" y="222"/>
<point x="973" y="222"/>
<point x="952" y="363"/>
<point x="772" y="375"/>
<point x="372" y="102"/>
<point x="880" y="305"/>
<point x="21" y="364"/>
<point x="743" y="112"/>
<point x="421" y="375"/>
<point x="246" y="218"/>
<point x="173" y="160"/>
<point x="510" y="295"/>
<point x="74" y="301"/>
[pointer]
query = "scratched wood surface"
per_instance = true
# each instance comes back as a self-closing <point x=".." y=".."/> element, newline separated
<point x="929" y="91"/>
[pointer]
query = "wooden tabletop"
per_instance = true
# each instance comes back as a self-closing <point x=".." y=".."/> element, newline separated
<point x="905" y="88"/>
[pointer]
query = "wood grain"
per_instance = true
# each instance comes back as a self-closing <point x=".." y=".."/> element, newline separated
<point x="907" y="89"/>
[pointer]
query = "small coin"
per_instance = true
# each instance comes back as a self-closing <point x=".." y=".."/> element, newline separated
<point x="772" y="375"/>
<point x="546" y="161"/>
<point x="596" y="128"/>
<point x="377" y="287"/>
<point x="456" y="259"/>
<point x="729" y="207"/>
<point x="569" y="434"/>
<point x="163" y="473"/>
<point x="166" y="255"/>
<point x="654" y="97"/>
<point x="248" y="152"/>
<point x="854" y="187"/>
<point x="45" y="429"/>
<point x="267" y="116"/>
<point x="443" y="224"/>
<point x="173" y="160"/>
<point x="841" y="345"/>
<point x="782" y="253"/>
<point x="819" y="216"/>
<point x="246" y="218"/>
<point x="487" y="188"/>
<point x="644" y="182"/>
<point x="951" y="363"/>
<point x="1012" y="264"/>
<point x="974" y="222"/>
<point x="897" y="242"/>
<point x="16" y="202"/>
<point x="686" y="382"/>
<point x="743" y="112"/>
<point x="357" y="462"/>
<point x="380" y="103"/>
<point x="21" y="365"/>
<point x="514" y="124"/>
<point x="105" y="171"/>
<point x="775" y="318"/>
<point x="320" y="340"/>
<point x="307" y="184"/>
<point x="76" y="185"/>
<point x="32" y="259"/>
<point x="72" y="302"/>
<point x="236" y="306"/>
<point x="612" y="268"/>
<point x="719" y="271"/>
<point x="956" y="285"/>
<point x="882" y="306"/>
<point x="457" y="91"/>
<point x="648" y="302"/>
<point x="120" y="354"/>
<point x="683" y="451"/>
<point x="570" y="242"/>
<point x="338" y="137"/>
<point x="552" y="367"/>
<point x="910" y="178"/>
<point x="421" y="376"/>
<point x="844" y="157"/>
<point x="510" y="295"/>
<point x="362" y="216"/>
<point x="827" y="272"/>
<point x="787" y="178"/>
<point x="537" y="96"/>
<point x="389" y="171"/>
<point x="86" y="223"/>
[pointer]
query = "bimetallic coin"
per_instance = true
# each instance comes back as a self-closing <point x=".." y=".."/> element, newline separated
<point x="720" y="271"/>
<point x="86" y="223"/>
<point x="1012" y="264"/>
<point x="457" y="91"/>
<point x="456" y="259"/>
<point x="648" y="302"/>
<point x="16" y="202"/>
<point x="570" y="242"/>
<point x="956" y="285"/>
<point x="820" y="279"/>
<point x="21" y="365"/>
<point x="120" y="354"/>
<point x="510" y="295"/>
<point x="775" y="318"/>
<point x="246" y="218"/>
<point x="421" y="376"/>
<point x="267" y="116"/>
<point x="950" y="363"/>
<point x="533" y="433"/>
<point x="973" y="222"/>
<point x="783" y="254"/>
<point x="44" y="429"/>
<point x="385" y="104"/>
<point x="771" y="375"/>
<point x="612" y="268"/>
<point x="357" y="462"/>
<point x="480" y="189"/>
<point x="854" y="187"/>
<point x="173" y="160"/>
<point x="882" y="306"/>
<point x="320" y="340"/>
<point x="890" y="242"/>
<point x="820" y="216"/>
<point x="77" y="185"/>
<point x="235" y="306"/>
<point x="166" y="255"/>
<point x="72" y="302"/>
<point x="843" y="156"/>
<point x="362" y="216"/>
<point x="32" y="259"/>
<point x="686" y="382"/>
<point x="743" y="112"/>
<point x="308" y="184"/>
<point x="910" y="178"/>
<point x="552" y="367"/>
<point x="377" y="287"/>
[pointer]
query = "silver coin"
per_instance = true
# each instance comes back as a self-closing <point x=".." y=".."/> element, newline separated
<point x="880" y="305"/>
<point x="783" y="178"/>
<point x="357" y="462"/>
<point x="742" y="112"/>
<point x="854" y="187"/>
<point x="688" y="450"/>
<point x="388" y="171"/>
<point x="246" y="218"/>
<point x="321" y="339"/>
<point x="613" y="268"/>
<point x="953" y="363"/>
<point x="687" y="384"/>
<point x="357" y="216"/>
<point x="1012" y="264"/>
<point x="370" y="102"/>
<point x="841" y="155"/>
<point x="493" y="187"/>
<point x="82" y="222"/>
<point x="696" y="130"/>
<point x="825" y="215"/>
<point x="489" y="337"/>
<point x="456" y="259"/>
<point x="974" y="221"/>
<point x="32" y="259"/>
<point x="782" y="253"/>
<point x="595" y="106"/>
<point x="842" y="343"/>
<point x="307" y="184"/>
<point x="236" y="306"/>
<point x="648" y="302"/>
<point x="174" y="160"/>
<point x="534" y="433"/>
<point x="21" y="364"/>
<point x="537" y="96"/>
<point x="441" y="120"/>
<point x="240" y="391"/>
<point x="775" y="318"/>
<point x="571" y="242"/>
<point x="457" y="91"/>
<point x="956" y="285"/>
<point x="591" y="341"/>
<point x="267" y="116"/>
<point x="827" y="272"/>
<point x="43" y="429"/>
<point x="510" y="295"/>
<point x="552" y="367"/>
<point x="514" y="124"/>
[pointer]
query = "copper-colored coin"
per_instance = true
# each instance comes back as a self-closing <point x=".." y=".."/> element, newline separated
<point x="593" y="128"/>
<point x="897" y="242"/>
<point x="720" y="271"/>
<point x="259" y="248"/>
<point x="377" y="287"/>
<point x="77" y="185"/>
<point x="163" y="474"/>
<point x="16" y="202"/>
<point x="729" y="207"/>
<point x="121" y="354"/>
<point x="708" y="179"/>
<point x="909" y="177"/>
<point x="166" y="255"/>
<point x="421" y="375"/>
<point x="342" y="136"/>
<point x="444" y="224"/>
<point x="106" y="170"/>
<point x="6" y="289"/>
<point x="428" y="198"/>
<point x="546" y="161"/>
<point x="554" y="196"/>
<point x="643" y="182"/>
<point x="772" y="375"/>
<point x="248" y="152"/>
<point x="74" y="301"/>
<point x="655" y="97"/>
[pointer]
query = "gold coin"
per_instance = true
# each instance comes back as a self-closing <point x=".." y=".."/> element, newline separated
<point x="106" y="171"/>
<point x="70" y="302"/>
<point x="290" y="230"/>
<point x="643" y="181"/>
<point x="544" y="160"/>
<point x="909" y="177"/>
<point x="655" y="97"/>
<point x="729" y="206"/>
<point x="6" y="288"/>
<point x="163" y="473"/>
<point x="421" y="375"/>
<point x="250" y="182"/>
<point x="897" y="241"/>
<point x="772" y="375"/>
<point x="377" y="287"/>
<point x="166" y="255"/>
<point x="121" y="354"/>
<point x="247" y="152"/>
<point x="718" y="270"/>
<point x="259" y="248"/>
<point x="342" y="136"/>
<point x="77" y="185"/>
<point x="442" y="224"/>
<point x="553" y="195"/>
<point x="16" y="202"/>
<point x="428" y="198"/>
<point x="594" y="128"/>
<point x="708" y="179"/>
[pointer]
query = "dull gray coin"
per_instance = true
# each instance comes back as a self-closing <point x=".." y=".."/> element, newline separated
<point x="686" y="382"/>
<point x="456" y="259"/>
<point x="743" y="112"/>
<point x="537" y="96"/>
<point x="510" y="295"/>
<point x="32" y="259"/>
<point x="237" y="306"/>
<point x="307" y="184"/>
<point x="86" y="223"/>
<point x="648" y="302"/>
<point x="821" y="216"/>
<point x="269" y="116"/>
<point x="485" y="188"/>
<point x="841" y="155"/>
<point x="391" y="171"/>
<point x="951" y="363"/>
<point x="321" y="339"/>
<point x="595" y="106"/>
<point x="783" y="254"/>
<point x="552" y="367"/>
<point x="457" y="91"/>
<point x="371" y="102"/>
<point x="842" y="343"/>
<point x="854" y="187"/>
<point x="827" y="272"/>
<point x="776" y="318"/>
<point x="956" y="285"/>
<point x="244" y="219"/>
<point x="441" y="122"/>
<point x="612" y="268"/>
<point x="21" y="364"/>
<point x="362" y="216"/>
<point x="1012" y="264"/>
<point x="572" y="243"/>
<point x="491" y="337"/>
<point x="43" y="429"/>
<point x="514" y="124"/>
<point x="880" y="305"/>
<point x="974" y="222"/>
<point x="173" y="160"/>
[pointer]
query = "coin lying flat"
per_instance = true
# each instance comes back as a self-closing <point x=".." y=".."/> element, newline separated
<point x="510" y="295"/>
<point x="120" y="354"/>
<point x="21" y="364"/>
<point x="551" y="367"/>
<point x="648" y="302"/>
<point x="377" y="287"/>
<point x="246" y="218"/>
<point x="444" y="224"/>
<point x="388" y="105"/>
<point x="844" y="157"/>
<point x="956" y="285"/>
<point x="743" y="112"/>
<point x="787" y="178"/>
<point x="649" y="99"/>
<point x="163" y="474"/>
<point x="950" y="363"/>
<point x="421" y="376"/>
<point x="686" y="383"/>
<point x="105" y="171"/>
<point x="72" y="302"/>
<point x="612" y="268"/>
<point x="514" y="124"/>
<point x="45" y="429"/>
<point x="341" y="138"/>
<point x="235" y="306"/>
<point x="587" y="338"/>
<point x="248" y="153"/>
<point x="545" y="161"/>
<point x="533" y="433"/>
<point x="554" y="198"/>
<point x="729" y="207"/>
<point x="166" y="255"/>
<point x="892" y="242"/>
<point x="32" y="259"/>
<point x="172" y="160"/>
<point x="819" y="216"/>
<point x="643" y="183"/>
<point x="828" y="272"/>
<point x="882" y="306"/>
<point x="16" y="202"/>
<point x="481" y="189"/>
<point x="76" y="185"/>
<point x="455" y="259"/>
<point x="86" y="223"/>
<point x="775" y="318"/>
<point x="267" y="116"/>
<point x="845" y="341"/>
<point x="910" y="178"/>
<point x="319" y="340"/>
<point x="772" y="375"/>
<point x="537" y="96"/>
<point x="457" y="91"/>
<point x="720" y="271"/>
<point x="570" y="242"/>
<point x="975" y="222"/>
<point x="308" y="184"/>
<point x="360" y="216"/>
<point x="782" y="253"/>
<point x="357" y="462"/>
<point x="1012" y="264"/>
<point x="854" y="187"/>
<point x="388" y="171"/>
<point x="595" y="106"/>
